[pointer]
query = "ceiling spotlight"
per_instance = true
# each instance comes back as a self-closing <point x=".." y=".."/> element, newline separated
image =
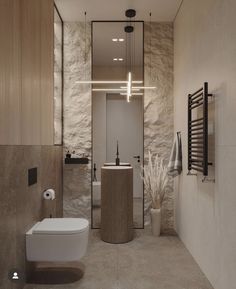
<point x="114" y="39"/>
<point x="120" y="59"/>
<point x="121" y="39"/>
<point x="115" y="59"/>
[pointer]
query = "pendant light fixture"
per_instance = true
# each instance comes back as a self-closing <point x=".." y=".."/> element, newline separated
<point x="129" y="29"/>
<point x="105" y="81"/>
<point x="128" y="89"/>
<point x="150" y="42"/>
<point x="100" y="81"/>
<point x="85" y="36"/>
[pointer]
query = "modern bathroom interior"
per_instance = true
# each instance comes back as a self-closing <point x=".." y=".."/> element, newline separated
<point x="117" y="144"/>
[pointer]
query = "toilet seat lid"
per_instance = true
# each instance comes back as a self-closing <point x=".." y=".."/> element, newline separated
<point x="61" y="226"/>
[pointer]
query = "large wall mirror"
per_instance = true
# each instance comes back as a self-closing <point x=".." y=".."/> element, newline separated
<point x="114" y="54"/>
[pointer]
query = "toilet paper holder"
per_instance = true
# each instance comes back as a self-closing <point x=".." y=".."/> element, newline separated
<point x="49" y="194"/>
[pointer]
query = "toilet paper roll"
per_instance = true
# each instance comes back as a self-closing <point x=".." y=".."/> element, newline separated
<point x="49" y="194"/>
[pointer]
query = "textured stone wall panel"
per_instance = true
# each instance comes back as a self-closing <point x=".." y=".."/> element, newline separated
<point x="77" y="118"/>
<point x="158" y="104"/>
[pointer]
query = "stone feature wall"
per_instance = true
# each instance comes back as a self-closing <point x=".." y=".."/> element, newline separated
<point x="158" y="104"/>
<point x="77" y="118"/>
<point x="158" y="111"/>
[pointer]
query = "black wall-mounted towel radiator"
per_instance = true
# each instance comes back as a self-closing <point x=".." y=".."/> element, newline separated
<point x="198" y="130"/>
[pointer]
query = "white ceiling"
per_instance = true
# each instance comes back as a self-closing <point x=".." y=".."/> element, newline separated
<point x="73" y="10"/>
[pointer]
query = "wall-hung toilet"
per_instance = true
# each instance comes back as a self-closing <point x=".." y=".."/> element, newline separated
<point x="57" y="240"/>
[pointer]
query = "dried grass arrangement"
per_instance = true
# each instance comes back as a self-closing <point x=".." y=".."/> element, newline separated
<point x="155" y="178"/>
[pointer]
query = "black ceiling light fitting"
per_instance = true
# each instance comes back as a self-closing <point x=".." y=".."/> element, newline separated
<point x="129" y="29"/>
<point x="130" y="13"/>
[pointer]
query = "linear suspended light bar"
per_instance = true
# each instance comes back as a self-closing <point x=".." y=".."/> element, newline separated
<point x="134" y="93"/>
<point x="113" y="89"/>
<point x="108" y="89"/>
<point x="129" y="87"/>
<point x="141" y="87"/>
<point x="144" y="87"/>
<point x="107" y="81"/>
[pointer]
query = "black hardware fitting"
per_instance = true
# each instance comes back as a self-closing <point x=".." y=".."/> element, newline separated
<point x="137" y="157"/>
<point x="32" y="176"/>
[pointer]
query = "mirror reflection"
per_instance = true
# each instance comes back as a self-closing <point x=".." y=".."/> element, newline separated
<point x="117" y="118"/>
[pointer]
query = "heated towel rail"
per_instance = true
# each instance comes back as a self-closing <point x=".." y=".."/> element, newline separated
<point x="198" y="131"/>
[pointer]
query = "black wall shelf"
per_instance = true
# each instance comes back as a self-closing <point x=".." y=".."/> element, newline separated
<point x="76" y="161"/>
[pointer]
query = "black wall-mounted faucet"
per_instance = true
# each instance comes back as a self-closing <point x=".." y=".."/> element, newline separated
<point x="117" y="155"/>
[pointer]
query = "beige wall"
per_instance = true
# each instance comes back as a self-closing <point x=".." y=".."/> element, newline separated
<point x="26" y="72"/>
<point x="205" y="50"/>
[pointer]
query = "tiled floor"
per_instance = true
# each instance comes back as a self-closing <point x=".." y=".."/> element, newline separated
<point x="145" y="263"/>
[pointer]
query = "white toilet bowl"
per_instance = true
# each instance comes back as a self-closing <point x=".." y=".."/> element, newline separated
<point x="57" y="240"/>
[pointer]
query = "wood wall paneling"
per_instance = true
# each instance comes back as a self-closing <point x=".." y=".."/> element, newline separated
<point x="31" y="71"/>
<point x="26" y="72"/>
<point x="47" y="71"/>
<point x="10" y="68"/>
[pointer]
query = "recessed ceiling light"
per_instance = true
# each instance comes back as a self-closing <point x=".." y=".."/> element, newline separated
<point x="120" y="59"/>
<point x="121" y="39"/>
<point x="114" y="39"/>
<point x="115" y="59"/>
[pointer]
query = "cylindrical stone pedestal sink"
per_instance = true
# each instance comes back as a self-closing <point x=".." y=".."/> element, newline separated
<point x="117" y="204"/>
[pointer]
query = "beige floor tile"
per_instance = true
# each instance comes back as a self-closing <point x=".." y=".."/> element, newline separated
<point x="145" y="263"/>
